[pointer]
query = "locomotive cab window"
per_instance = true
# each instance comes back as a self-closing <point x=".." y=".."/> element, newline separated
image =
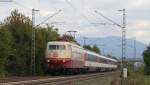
<point x="61" y="47"/>
<point x="52" y="47"/>
<point x="57" y="47"/>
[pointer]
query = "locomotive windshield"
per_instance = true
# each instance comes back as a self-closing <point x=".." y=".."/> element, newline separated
<point x="56" y="47"/>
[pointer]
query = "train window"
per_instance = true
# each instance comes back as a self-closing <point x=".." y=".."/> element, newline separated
<point x="91" y="57"/>
<point x="103" y="60"/>
<point x="52" y="47"/>
<point x="61" y="47"/>
<point x="56" y="47"/>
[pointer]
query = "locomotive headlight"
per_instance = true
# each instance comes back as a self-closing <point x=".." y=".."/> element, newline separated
<point x="48" y="61"/>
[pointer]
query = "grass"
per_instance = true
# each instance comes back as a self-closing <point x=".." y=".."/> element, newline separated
<point x="138" y="76"/>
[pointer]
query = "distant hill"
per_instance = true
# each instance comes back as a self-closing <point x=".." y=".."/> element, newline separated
<point x="113" y="45"/>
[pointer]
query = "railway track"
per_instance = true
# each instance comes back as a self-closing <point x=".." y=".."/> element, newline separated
<point x="59" y="80"/>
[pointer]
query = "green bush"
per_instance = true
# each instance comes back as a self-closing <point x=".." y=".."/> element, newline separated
<point x="146" y="57"/>
<point x="147" y="70"/>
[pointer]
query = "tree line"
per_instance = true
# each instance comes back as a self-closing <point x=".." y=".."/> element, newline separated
<point x="15" y="45"/>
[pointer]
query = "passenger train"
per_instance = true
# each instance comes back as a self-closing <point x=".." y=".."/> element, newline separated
<point x="64" y="56"/>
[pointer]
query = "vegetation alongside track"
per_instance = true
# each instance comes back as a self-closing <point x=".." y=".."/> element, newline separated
<point x="139" y="77"/>
<point x="135" y="77"/>
<point x="15" y="45"/>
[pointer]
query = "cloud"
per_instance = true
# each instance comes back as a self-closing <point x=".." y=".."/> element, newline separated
<point x="45" y="12"/>
<point x="140" y="33"/>
<point x="139" y="25"/>
<point x="139" y="29"/>
<point x="140" y="4"/>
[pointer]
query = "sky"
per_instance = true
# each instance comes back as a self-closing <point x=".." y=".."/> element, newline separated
<point x="79" y="15"/>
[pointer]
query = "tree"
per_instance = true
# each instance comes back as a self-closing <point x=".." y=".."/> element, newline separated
<point x="146" y="57"/>
<point x="92" y="48"/>
<point x="96" y="49"/>
<point x="5" y="49"/>
<point x="20" y="27"/>
<point x="88" y="47"/>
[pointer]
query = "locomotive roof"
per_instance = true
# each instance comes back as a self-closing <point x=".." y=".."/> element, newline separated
<point x="58" y="42"/>
<point x="64" y="42"/>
